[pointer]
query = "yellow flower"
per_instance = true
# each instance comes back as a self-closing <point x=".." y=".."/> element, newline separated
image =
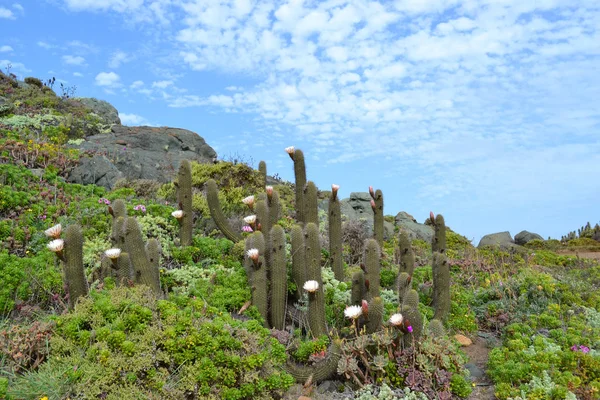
<point x="44" y="398"/>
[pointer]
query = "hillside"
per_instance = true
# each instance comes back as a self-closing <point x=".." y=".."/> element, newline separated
<point x="215" y="294"/>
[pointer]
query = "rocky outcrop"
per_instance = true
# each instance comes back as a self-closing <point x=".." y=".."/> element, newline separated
<point x="138" y="153"/>
<point x="525" y="237"/>
<point x="415" y="230"/>
<point x="106" y="111"/>
<point x="502" y="239"/>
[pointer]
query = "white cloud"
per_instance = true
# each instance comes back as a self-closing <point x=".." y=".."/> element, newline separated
<point x="162" y="84"/>
<point x="73" y="60"/>
<point x="15" y="67"/>
<point x="101" y="5"/>
<point x="118" y="58"/>
<point x="77" y="74"/>
<point x="45" y="45"/>
<point x="133" y="120"/>
<point x="5" y="49"/>
<point x="136" y="85"/>
<point x="108" y="79"/>
<point x="6" y="13"/>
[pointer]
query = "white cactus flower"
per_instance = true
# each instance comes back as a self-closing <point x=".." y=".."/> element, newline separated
<point x="396" y="319"/>
<point x="353" y="312"/>
<point x="249" y="201"/>
<point x="178" y="214"/>
<point x="54" y="232"/>
<point x="56" y="245"/>
<point x="250" y="219"/>
<point x="290" y="150"/>
<point x="252" y="254"/>
<point x="311" y="286"/>
<point x="112" y="253"/>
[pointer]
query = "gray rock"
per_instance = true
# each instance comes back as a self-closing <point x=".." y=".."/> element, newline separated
<point x="139" y="153"/>
<point x="97" y="170"/>
<point x="415" y="230"/>
<point x="502" y="239"/>
<point x="102" y="108"/>
<point x="476" y="372"/>
<point x="524" y="237"/>
<point x="358" y="206"/>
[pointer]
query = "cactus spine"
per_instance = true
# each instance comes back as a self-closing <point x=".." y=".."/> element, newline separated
<point x="441" y="286"/>
<point x="316" y="300"/>
<point x="372" y="267"/>
<point x="144" y="272"/>
<point x="212" y="197"/>
<point x="298" y="258"/>
<point x="300" y="177"/>
<point x="278" y="278"/>
<point x="74" y="274"/>
<point x="184" y="199"/>
<point x="378" y="217"/>
<point x="335" y="236"/>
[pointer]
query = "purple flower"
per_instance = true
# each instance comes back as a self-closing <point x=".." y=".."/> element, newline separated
<point x="140" y="207"/>
<point x="574" y="347"/>
<point x="103" y="200"/>
<point x="246" y="228"/>
<point x="584" y="349"/>
<point x="410" y="328"/>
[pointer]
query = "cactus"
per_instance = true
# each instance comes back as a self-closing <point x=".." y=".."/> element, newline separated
<point x="260" y="289"/>
<point x="74" y="274"/>
<point x="375" y="317"/>
<point x="412" y="317"/>
<point x="316" y="300"/>
<point x="438" y="243"/>
<point x="144" y="272"/>
<point x="212" y="197"/>
<point x="406" y="254"/>
<point x="311" y="208"/>
<point x="298" y="258"/>
<point x="262" y="168"/>
<point x="153" y="251"/>
<point x="372" y="267"/>
<point x="441" y="286"/>
<point x="255" y="241"/>
<point x="378" y="217"/>
<point x="403" y="286"/>
<point x="335" y="236"/>
<point x="436" y="328"/>
<point x="359" y="290"/>
<point x="300" y="177"/>
<point x="319" y="371"/>
<point x="278" y="278"/>
<point x="274" y="206"/>
<point x="184" y="199"/>
<point x="119" y="213"/>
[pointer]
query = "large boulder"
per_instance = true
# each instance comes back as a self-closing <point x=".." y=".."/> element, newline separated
<point x="415" y="230"/>
<point x="106" y="111"/>
<point x="139" y="153"/>
<point x="502" y="239"/>
<point x="524" y="237"/>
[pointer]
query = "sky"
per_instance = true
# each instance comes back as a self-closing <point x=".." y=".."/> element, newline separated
<point x="486" y="111"/>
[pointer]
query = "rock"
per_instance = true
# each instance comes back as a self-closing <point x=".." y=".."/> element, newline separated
<point x="524" y="237"/>
<point x="414" y="229"/>
<point x="476" y="372"/>
<point x="358" y="206"/>
<point x="327" y="386"/>
<point x="502" y="239"/>
<point x="149" y="153"/>
<point x="102" y="108"/>
<point x="463" y="340"/>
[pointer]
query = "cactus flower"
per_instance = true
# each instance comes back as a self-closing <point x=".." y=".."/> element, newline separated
<point x="372" y="192"/>
<point x="365" y="307"/>
<point x="250" y="219"/>
<point x="56" y="245"/>
<point x="290" y="150"/>
<point x="269" y="190"/>
<point x="249" y="201"/>
<point x="334" y="189"/>
<point x="178" y="214"/>
<point x="409" y="328"/>
<point x="396" y="319"/>
<point x="353" y="312"/>
<point x="54" y="232"/>
<point x="373" y="206"/>
<point x="112" y="253"/>
<point x="253" y="254"/>
<point x="311" y="286"/>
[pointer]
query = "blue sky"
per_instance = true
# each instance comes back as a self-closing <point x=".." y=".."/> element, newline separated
<point x="487" y="111"/>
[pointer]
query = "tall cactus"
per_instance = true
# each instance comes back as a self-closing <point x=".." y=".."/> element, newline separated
<point x="406" y="254"/>
<point x="316" y="300"/>
<point x="412" y="317"/>
<point x="441" y="286"/>
<point x="144" y="272"/>
<point x="359" y="289"/>
<point x="375" y="317"/>
<point x="274" y="205"/>
<point x="278" y="278"/>
<point x="262" y="169"/>
<point x="403" y="286"/>
<point x="372" y="267"/>
<point x="74" y="274"/>
<point x="154" y="251"/>
<point x="184" y="199"/>
<point x="438" y="243"/>
<point x="212" y="197"/>
<point x="298" y="258"/>
<point x="300" y="177"/>
<point x="377" y="205"/>
<point x="258" y="275"/>
<point x="335" y="234"/>
<point x="118" y="210"/>
<point x="311" y="208"/>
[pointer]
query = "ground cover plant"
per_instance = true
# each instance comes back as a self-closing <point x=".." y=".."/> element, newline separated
<point x="218" y="285"/>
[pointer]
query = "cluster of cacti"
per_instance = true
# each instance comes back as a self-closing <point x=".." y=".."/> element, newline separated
<point x="440" y="269"/>
<point x="184" y="200"/>
<point x="70" y="251"/>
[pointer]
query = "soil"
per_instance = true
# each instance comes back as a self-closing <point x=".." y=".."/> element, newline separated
<point x="593" y="255"/>
<point x="478" y="354"/>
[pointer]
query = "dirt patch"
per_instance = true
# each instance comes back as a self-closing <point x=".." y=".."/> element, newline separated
<point x="592" y="255"/>
<point x="478" y="354"/>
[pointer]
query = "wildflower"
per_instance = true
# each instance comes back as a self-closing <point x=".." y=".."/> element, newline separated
<point x="409" y="328"/>
<point x="269" y="190"/>
<point x="177" y="214"/>
<point x="353" y="312"/>
<point x="140" y="207"/>
<point x="334" y="189"/>
<point x="250" y="219"/>
<point x="246" y="228"/>
<point x="396" y="319"/>
<point x="290" y="150"/>
<point x="311" y="286"/>
<point x="365" y="307"/>
<point x="249" y="201"/>
<point x="54" y="232"/>
<point x="103" y="200"/>
<point x="113" y="253"/>
<point x="253" y="255"/>
<point x="56" y="245"/>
